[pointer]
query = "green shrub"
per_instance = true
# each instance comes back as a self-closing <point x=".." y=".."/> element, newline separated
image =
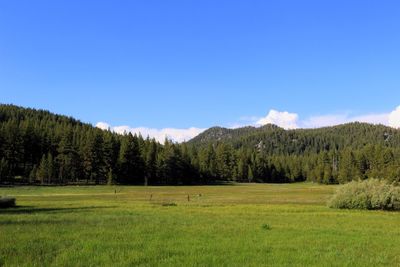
<point x="372" y="194"/>
<point x="7" y="202"/>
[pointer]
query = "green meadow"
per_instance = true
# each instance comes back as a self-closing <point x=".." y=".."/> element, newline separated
<point x="227" y="225"/>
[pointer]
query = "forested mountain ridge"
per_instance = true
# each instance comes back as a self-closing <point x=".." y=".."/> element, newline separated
<point x="40" y="147"/>
<point x="225" y="134"/>
<point x="299" y="141"/>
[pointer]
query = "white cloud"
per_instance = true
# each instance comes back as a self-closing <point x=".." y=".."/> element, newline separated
<point x="283" y="119"/>
<point x="382" y="118"/>
<point x="292" y="121"/>
<point x="103" y="125"/>
<point x="176" y="135"/>
<point x="394" y="118"/>
<point x="324" y="120"/>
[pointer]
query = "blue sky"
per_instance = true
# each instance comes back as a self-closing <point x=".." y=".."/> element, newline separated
<point x="181" y="64"/>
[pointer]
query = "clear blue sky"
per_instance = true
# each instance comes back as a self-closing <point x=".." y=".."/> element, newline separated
<point x="199" y="63"/>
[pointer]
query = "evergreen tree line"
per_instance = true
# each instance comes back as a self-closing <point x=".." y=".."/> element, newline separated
<point x="39" y="147"/>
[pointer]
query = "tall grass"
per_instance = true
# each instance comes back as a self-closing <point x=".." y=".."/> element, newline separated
<point x="372" y="194"/>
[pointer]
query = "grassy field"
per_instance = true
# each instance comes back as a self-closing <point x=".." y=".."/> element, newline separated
<point x="238" y="225"/>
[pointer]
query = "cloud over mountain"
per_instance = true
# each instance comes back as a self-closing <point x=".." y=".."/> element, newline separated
<point x="174" y="134"/>
<point x="283" y="119"/>
<point x="289" y="120"/>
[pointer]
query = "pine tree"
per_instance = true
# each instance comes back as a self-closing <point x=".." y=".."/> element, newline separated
<point x="347" y="166"/>
<point x="110" y="153"/>
<point x="50" y="168"/>
<point x="225" y="161"/>
<point x="208" y="163"/>
<point x="94" y="164"/>
<point x="151" y="162"/>
<point x="33" y="174"/>
<point x="110" y="177"/>
<point x="171" y="164"/>
<point x="250" y="175"/>
<point x="131" y="163"/>
<point x="4" y="170"/>
<point x="42" y="172"/>
<point x="68" y="158"/>
<point x="13" y="147"/>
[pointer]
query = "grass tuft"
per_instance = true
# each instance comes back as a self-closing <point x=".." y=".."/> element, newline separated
<point x="266" y="227"/>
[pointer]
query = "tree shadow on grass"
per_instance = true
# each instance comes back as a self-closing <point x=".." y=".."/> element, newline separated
<point x="35" y="210"/>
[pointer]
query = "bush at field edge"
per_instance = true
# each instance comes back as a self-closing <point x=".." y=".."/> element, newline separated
<point x="371" y="194"/>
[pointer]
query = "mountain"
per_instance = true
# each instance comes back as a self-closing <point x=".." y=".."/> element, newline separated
<point x="275" y="140"/>
<point x="224" y="134"/>
<point x="40" y="147"/>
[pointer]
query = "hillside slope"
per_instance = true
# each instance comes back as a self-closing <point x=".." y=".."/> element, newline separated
<point x="273" y="139"/>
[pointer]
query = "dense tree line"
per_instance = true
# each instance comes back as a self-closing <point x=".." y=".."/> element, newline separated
<point x="39" y="147"/>
<point x="326" y="155"/>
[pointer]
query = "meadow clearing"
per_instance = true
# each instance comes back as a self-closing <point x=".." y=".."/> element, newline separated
<point x="230" y="225"/>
